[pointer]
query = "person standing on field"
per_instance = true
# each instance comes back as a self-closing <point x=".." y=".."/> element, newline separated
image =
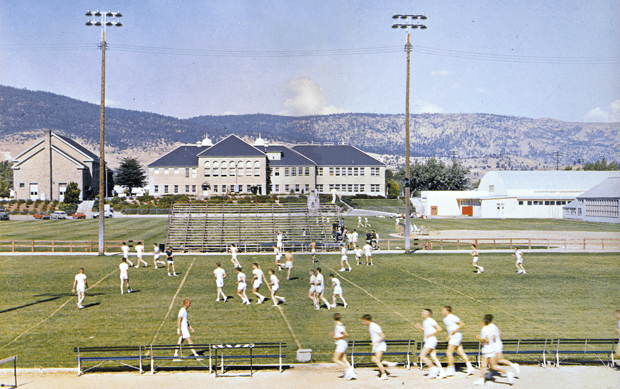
<point x="368" y="253"/>
<point x="170" y="261"/>
<point x="519" y="262"/>
<point x="125" y="250"/>
<point x="156" y="255"/>
<point x="219" y="275"/>
<point x="183" y="327"/>
<point x="313" y="250"/>
<point x="340" y="336"/>
<point x="288" y="264"/>
<point x="139" y="254"/>
<point x="453" y="328"/>
<point x="124" y="270"/>
<point x="80" y="284"/>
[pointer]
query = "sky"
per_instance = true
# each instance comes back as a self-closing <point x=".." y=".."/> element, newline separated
<point x="528" y="58"/>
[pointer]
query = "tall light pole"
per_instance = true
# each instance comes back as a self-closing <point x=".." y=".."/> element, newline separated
<point x="406" y="24"/>
<point x="103" y="20"/>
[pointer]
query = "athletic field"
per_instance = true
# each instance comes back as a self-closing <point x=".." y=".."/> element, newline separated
<point x="562" y="295"/>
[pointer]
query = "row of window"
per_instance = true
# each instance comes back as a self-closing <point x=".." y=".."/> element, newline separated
<point x="602" y="208"/>
<point x="230" y="169"/>
<point x="287" y="188"/>
<point x="175" y="189"/>
<point x="352" y="188"/>
<point x="543" y="202"/>
<point x="189" y="172"/>
<point x="347" y="171"/>
<point x="224" y="188"/>
<point x="292" y="171"/>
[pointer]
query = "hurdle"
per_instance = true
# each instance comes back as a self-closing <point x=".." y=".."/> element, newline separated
<point x="14" y="360"/>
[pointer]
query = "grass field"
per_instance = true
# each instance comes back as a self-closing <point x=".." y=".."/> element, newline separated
<point x="563" y="295"/>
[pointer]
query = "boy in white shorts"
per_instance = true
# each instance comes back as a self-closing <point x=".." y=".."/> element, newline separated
<point x="257" y="281"/>
<point x="156" y="255"/>
<point x="80" y="284"/>
<point x="139" y="254"/>
<point x="368" y="252"/>
<point x="219" y="275"/>
<point x="241" y="287"/>
<point x="125" y="250"/>
<point x="278" y="254"/>
<point x="275" y="286"/>
<point x="491" y="344"/>
<point x="474" y="254"/>
<point x="358" y="254"/>
<point x="430" y="328"/>
<point x="288" y="265"/>
<point x="337" y="291"/>
<point x="453" y="328"/>
<point x="124" y="270"/>
<point x="340" y="335"/>
<point x="170" y="261"/>
<point x="312" y="291"/>
<point x="377" y="339"/>
<point x="313" y="250"/>
<point x="183" y="327"/>
<point x="320" y="289"/>
<point x="279" y="240"/>
<point x="233" y="258"/>
<point x="519" y="262"/>
<point x="344" y="259"/>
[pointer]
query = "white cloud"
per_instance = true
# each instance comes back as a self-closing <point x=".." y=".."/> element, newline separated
<point x="304" y="98"/>
<point x="440" y="73"/>
<point x="611" y="114"/>
<point x="419" y="106"/>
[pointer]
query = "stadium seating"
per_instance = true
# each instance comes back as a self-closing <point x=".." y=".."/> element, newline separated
<point x="213" y="228"/>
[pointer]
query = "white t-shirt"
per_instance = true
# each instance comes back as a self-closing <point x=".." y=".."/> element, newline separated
<point x="491" y="333"/>
<point x="258" y="273"/>
<point x="123" y="267"/>
<point x="125" y="249"/>
<point x="219" y="275"/>
<point x="274" y="281"/>
<point x="354" y="237"/>
<point x="233" y="252"/>
<point x="451" y="322"/>
<point x="319" y="280"/>
<point x="241" y="277"/>
<point x="519" y="256"/>
<point x="429" y="327"/>
<point x="358" y="252"/>
<point x="81" y="282"/>
<point x="375" y="331"/>
<point x="368" y="250"/>
<point x="184" y="321"/>
<point x="139" y="250"/>
<point x="313" y="282"/>
<point x="339" y="330"/>
<point x="156" y="252"/>
<point x="343" y="251"/>
<point x="335" y="282"/>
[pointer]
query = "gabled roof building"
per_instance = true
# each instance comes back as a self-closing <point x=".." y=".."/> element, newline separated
<point x="599" y="204"/>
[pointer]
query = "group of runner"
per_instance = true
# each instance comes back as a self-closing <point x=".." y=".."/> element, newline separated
<point x="479" y="269"/>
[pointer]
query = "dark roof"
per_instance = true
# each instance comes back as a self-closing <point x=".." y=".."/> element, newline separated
<point x="289" y="157"/>
<point x="231" y="146"/>
<point x="78" y="146"/>
<point x="337" y="155"/>
<point x="182" y="156"/>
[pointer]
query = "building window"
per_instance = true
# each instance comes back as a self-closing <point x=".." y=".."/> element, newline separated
<point x="356" y="188"/>
<point x="156" y="171"/>
<point x="232" y="188"/>
<point x="286" y="188"/>
<point x="156" y="188"/>
<point x="337" y="172"/>
<point x="176" y="189"/>
<point x="293" y="171"/>
<point x="491" y="188"/>
<point x="362" y="188"/>
<point x="22" y="185"/>
<point x="362" y="169"/>
<point x="331" y="171"/>
<point x="297" y="188"/>
<point x="240" y="168"/>
<point x="520" y="202"/>
<point x="165" y="189"/>
<point x="319" y="188"/>
<point x="224" y="169"/>
<point x="529" y="203"/>
<point x="374" y="188"/>
<point x="257" y="169"/>
<point x="166" y="171"/>
<point x="176" y="171"/>
<point x="193" y="188"/>
<point x="276" y="188"/>
<point x="186" y="188"/>
<point x="214" y="188"/>
<point x="249" y="188"/>
<point x="356" y="171"/>
<point x="286" y="172"/>
<point x="276" y="171"/>
<point x="307" y="188"/>
<point x="216" y="169"/>
<point x="307" y="172"/>
<point x="349" y="171"/>
<point x="320" y="172"/>
<point x="207" y="169"/>
<point x="337" y="187"/>
<point x="350" y="188"/>
<point x="331" y="187"/>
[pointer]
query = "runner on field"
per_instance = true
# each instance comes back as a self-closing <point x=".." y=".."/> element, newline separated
<point x="124" y="270"/>
<point x="257" y="281"/>
<point x="125" y="250"/>
<point x="80" y="284"/>
<point x="337" y="291"/>
<point x="320" y="289"/>
<point x="288" y="265"/>
<point x="430" y="328"/>
<point x="491" y="351"/>
<point x="275" y="287"/>
<point x="139" y="254"/>
<point x="453" y="328"/>
<point x="519" y="262"/>
<point x="313" y="250"/>
<point x="183" y="327"/>
<point x="474" y="254"/>
<point x="344" y="258"/>
<point x="278" y="255"/>
<point x="312" y="290"/>
<point x="170" y="261"/>
<point x="242" y="286"/>
<point x="219" y="275"/>
<point x="377" y="341"/>
<point x="156" y="255"/>
<point x="340" y="335"/>
<point x="233" y="258"/>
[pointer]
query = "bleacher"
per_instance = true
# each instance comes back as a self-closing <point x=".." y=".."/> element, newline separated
<point x="252" y="228"/>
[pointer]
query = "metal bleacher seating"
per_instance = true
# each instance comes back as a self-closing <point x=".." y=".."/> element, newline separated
<point x="253" y="228"/>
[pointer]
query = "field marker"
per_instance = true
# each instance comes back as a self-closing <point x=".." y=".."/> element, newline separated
<point x="56" y="311"/>
<point x="172" y="302"/>
<point x="283" y="316"/>
<point x="6" y="260"/>
<point x="483" y="303"/>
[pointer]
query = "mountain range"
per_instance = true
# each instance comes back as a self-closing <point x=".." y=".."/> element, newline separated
<point x="145" y="136"/>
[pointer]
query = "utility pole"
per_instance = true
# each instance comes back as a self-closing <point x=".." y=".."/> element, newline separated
<point x="557" y="155"/>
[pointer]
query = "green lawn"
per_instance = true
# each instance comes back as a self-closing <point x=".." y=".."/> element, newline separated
<point x="563" y="295"/>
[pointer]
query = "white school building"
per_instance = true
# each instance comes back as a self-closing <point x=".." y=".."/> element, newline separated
<point x="512" y="195"/>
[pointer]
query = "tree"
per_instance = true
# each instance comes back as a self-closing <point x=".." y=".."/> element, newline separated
<point x="435" y="175"/>
<point x="72" y="194"/>
<point x="6" y="178"/>
<point x="130" y="174"/>
<point x="601" y="165"/>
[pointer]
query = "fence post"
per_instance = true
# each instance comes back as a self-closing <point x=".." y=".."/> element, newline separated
<point x="584" y="243"/>
<point x="529" y="243"/>
<point x="602" y="244"/>
<point x="33" y="245"/>
<point x="12" y="246"/>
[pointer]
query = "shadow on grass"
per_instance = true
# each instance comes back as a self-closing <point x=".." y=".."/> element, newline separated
<point x="91" y="305"/>
<point x="30" y="304"/>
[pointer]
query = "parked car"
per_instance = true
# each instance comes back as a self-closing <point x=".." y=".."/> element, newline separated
<point x="41" y="215"/>
<point x="4" y="215"/>
<point x="58" y="215"/>
<point x="105" y="214"/>
<point x="78" y="215"/>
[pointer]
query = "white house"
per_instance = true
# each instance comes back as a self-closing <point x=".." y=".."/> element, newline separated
<point x="513" y="195"/>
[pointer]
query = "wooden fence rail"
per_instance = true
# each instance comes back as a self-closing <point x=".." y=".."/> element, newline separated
<point x="58" y="246"/>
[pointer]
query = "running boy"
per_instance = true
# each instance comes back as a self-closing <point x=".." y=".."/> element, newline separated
<point x="275" y="286"/>
<point x="288" y="265"/>
<point x="183" y="327"/>
<point x="430" y="328"/>
<point x="313" y="250"/>
<point x="344" y="259"/>
<point x="377" y="339"/>
<point x="453" y="328"/>
<point x="257" y="281"/>
<point x="474" y="254"/>
<point x="490" y="339"/>
<point x="320" y="289"/>
<point x="312" y="290"/>
<point x="219" y="275"/>
<point x="80" y="284"/>
<point x="124" y="270"/>
<point x="156" y="255"/>
<point x="125" y="250"/>
<point x="241" y="287"/>
<point x="337" y="291"/>
<point x="278" y="254"/>
<point x="519" y="262"/>
<point x="233" y="253"/>
<point x="340" y="335"/>
<point x="139" y="254"/>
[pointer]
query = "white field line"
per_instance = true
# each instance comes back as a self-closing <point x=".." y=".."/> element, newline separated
<point x="172" y="302"/>
<point x="56" y="311"/>
<point x="532" y="323"/>
<point x="6" y="260"/>
<point x="283" y="316"/>
<point x="372" y="296"/>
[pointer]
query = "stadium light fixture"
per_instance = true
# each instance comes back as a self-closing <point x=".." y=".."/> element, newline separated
<point x="408" y="26"/>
